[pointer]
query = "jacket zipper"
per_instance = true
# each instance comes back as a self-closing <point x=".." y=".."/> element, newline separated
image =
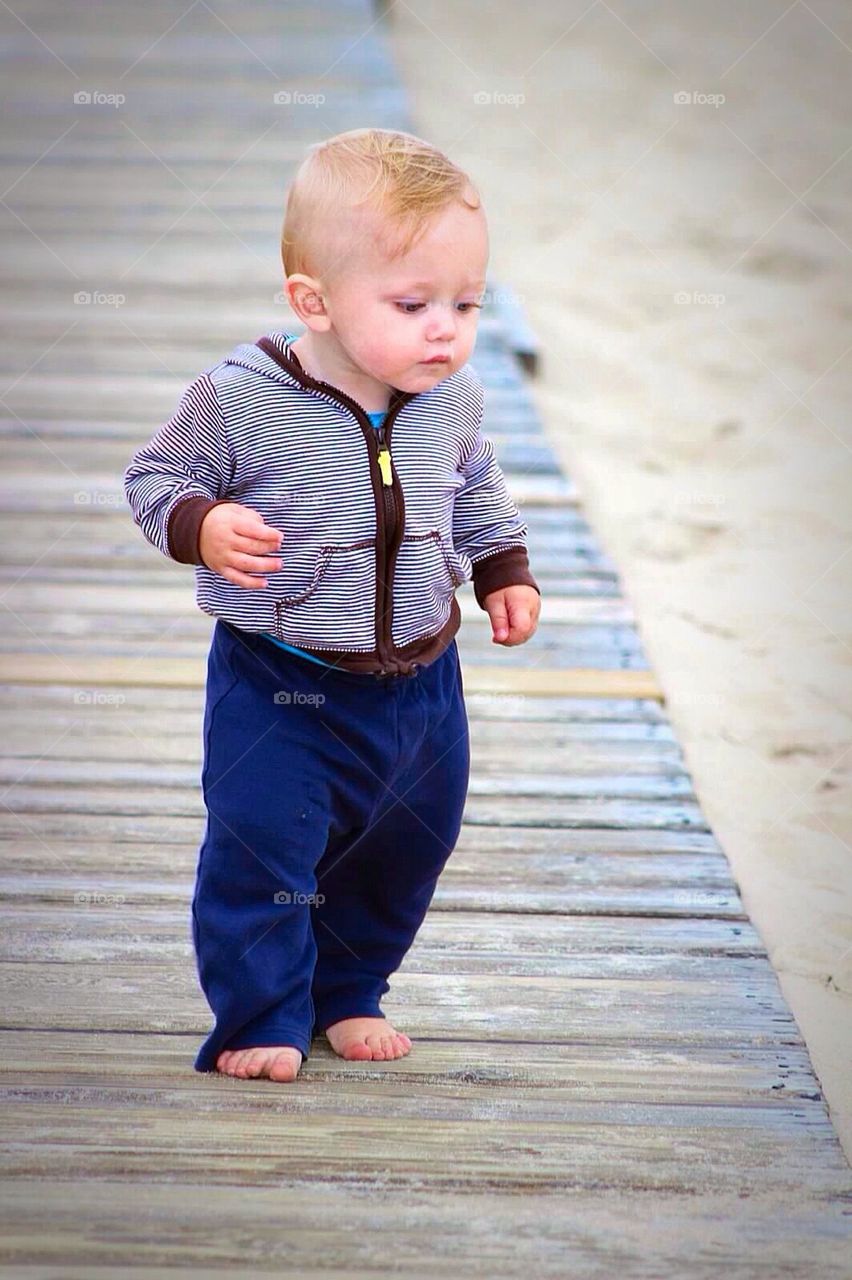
<point x="390" y="514"/>
<point x="385" y="606"/>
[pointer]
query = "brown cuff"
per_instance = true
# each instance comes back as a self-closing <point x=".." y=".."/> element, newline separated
<point x="184" y="526"/>
<point x="509" y="568"/>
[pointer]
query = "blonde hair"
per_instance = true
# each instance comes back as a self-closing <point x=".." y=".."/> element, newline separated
<point x="402" y="177"/>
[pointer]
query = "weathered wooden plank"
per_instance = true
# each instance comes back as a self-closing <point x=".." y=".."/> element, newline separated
<point x="621" y="886"/>
<point x="630" y="813"/>
<point x="24" y="668"/>
<point x="130" y="933"/>
<point x="54" y="830"/>
<point x="436" y="1142"/>
<point x="639" y="715"/>
<point x="614" y="748"/>
<point x="119" y="997"/>
<point x="165" y="644"/>
<point x="73" y="774"/>
<point x="64" y="932"/>
<point x="584" y="1070"/>
<point x="492" y="810"/>
<point x="493" y="750"/>
<point x="463" y="1103"/>
<point x="109" y="729"/>
<point x="329" y="1230"/>
<point x="126" y="918"/>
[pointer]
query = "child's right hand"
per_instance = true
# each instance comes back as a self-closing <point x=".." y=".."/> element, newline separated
<point x="233" y="539"/>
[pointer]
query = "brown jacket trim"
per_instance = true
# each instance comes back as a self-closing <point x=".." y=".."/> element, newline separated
<point x="419" y="653"/>
<point x="507" y="568"/>
<point x="184" y="527"/>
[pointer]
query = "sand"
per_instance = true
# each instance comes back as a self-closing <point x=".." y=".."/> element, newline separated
<point x="683" y="265"/>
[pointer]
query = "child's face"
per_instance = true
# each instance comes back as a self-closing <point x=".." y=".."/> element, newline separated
<point x="392" y="318"/>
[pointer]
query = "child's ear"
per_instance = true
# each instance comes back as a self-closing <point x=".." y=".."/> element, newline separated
<point x="306" y="300"/>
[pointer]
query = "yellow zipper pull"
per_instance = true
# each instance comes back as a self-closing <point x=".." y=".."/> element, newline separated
<point x="385" y="465"/>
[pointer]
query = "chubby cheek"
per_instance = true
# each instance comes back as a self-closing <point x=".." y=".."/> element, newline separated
<point x="392" y="351"/>
<point x="397" y="360"/>
<point x="383" y="350"/>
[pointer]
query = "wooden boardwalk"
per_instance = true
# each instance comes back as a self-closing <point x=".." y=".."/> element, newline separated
<point x="606" y="1079"/>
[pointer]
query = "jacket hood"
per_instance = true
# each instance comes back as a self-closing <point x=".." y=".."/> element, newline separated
<point x="249" y="356"/>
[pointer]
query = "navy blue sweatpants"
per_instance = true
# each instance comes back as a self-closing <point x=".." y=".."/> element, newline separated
<point x="333" y="802"/>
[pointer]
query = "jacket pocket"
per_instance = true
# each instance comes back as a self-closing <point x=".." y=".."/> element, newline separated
<point x="428" y="570"/>
<point x="299" y="576"/>
<point x="324" y="596"/>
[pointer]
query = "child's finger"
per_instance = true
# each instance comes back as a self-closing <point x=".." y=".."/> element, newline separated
<point x="252" y="564"/>
<point x="250" y="524"/>
<point x="499" y="622"/>
<point x="243" y="579"/>
<point x="250" y="545"/>
<point x="520" y="623"/>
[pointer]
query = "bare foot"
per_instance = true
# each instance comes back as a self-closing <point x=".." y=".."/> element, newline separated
<point x="359" y="1039"/>
<point x="279" y="1062"/>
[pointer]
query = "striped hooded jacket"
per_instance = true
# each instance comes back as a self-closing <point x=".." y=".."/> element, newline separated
<point x="374" y="546"/>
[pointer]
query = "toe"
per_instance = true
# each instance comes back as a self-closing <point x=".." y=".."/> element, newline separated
<point x="373" y="1043"/>
<point x="379" y="1046"/>
<point x="240" y="1063"/>
<point x="255" y="1061"/>
<point x="285" y="1066"/>
<point x="357" y="1051"/>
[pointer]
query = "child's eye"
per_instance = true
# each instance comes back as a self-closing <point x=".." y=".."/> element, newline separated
<point x="411" y="308"/>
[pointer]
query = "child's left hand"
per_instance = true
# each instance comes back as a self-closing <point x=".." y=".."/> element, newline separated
<point x="514" y="614"/>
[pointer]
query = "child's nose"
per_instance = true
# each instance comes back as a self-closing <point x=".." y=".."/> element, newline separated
<point x="442" y="326"/>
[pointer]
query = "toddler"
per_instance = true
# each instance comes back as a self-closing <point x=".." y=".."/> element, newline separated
<point x="333" y="490"/>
